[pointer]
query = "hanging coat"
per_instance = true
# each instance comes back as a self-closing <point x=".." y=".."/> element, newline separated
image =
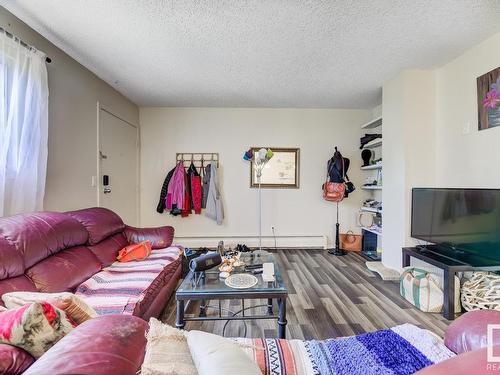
<point x="206" y="184"/>
<point x="186" y="209"/>
<point x="175" y="191"/>
<point x="163" y="194"/>
<point x="214" y="209"/>
<point x="194" y="180"/>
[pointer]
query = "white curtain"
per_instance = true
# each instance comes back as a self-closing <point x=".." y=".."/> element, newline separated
<point x="24" y="127"/>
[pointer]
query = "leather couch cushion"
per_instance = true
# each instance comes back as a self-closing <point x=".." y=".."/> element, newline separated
<point x="157" y="305"/>
<point x="14" y="360"/>
<point x="170" y="275"/>
<point x="16" y="284"/>
<point x="99" y="222"/>
<point x="468" y="332"/>
<point x="160" y="237"/>
<point x="11" y="260"/>
<point x="107" y="250"/>
<point x="64" y="271"/>
<point x="40" y="234"/>
<point x="111" y="344"/>
<point x="465" y="364"/>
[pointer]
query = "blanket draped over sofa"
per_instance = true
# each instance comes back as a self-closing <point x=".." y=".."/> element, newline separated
<point x="119" y="287"/>
<point x="404" y="349"/>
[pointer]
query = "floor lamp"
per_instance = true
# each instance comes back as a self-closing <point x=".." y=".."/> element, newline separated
<point x="259" y="160"/>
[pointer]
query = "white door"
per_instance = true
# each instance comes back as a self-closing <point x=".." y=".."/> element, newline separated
<point x="118" y="151"/>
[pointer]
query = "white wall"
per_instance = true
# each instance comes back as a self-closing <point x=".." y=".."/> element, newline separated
<point x="165" y="131"/>
<point x="408" y="106"/>
<point x="73" y="95"/>
<point x="431" y="138"/>
<point x="466" y="159"/>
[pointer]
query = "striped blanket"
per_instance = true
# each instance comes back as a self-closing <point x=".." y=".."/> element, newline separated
<point x="403" y="349"/>
<point x="118" y="288"/>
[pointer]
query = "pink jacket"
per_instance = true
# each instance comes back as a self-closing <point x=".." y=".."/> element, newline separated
<point x="175" y="192"/>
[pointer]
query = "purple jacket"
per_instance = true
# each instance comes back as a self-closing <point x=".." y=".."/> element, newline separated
<point x="175" y="192"/>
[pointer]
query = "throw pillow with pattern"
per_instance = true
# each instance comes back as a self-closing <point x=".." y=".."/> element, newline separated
<point x="34" y="327"/>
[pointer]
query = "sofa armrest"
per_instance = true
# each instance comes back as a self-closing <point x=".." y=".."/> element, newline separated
<point x="468" y="332"/>
<point x="110" y="344"/>
<point x="14" y="360"/>
<point x="160" y="237"/>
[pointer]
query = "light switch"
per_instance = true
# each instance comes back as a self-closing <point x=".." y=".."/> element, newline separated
<point x="93" y="181"/>
<point x="466" y="128"/>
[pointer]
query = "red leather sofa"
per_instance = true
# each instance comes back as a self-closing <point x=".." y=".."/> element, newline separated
<point x="115" y="344"/>
<point x="56" y="252"/>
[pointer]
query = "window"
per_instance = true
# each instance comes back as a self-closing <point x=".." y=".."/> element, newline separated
<point x="23" y="126"/>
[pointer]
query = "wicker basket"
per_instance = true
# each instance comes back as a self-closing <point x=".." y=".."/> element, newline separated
<point x="481" y="292"/>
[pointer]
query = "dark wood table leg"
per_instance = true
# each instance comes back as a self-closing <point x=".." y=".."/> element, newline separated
<point x="269" y="306"/>
<point x="282" y="318"/>
<point x="203" y="308"/>
<point x="179" y="315"/>
<point x="449" y="295"/>
<point x="406" y="259"/>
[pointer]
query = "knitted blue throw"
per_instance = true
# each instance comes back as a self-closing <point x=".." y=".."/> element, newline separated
<point x="377" y="353"/>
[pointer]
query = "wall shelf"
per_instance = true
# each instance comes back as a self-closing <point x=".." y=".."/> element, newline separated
<point x="372" y="166"/>
<point x="375" y="230"/>
<point x="375" y="143"/>
<point x="371" y="209"/>
<point x="375" y="123"/>
<point x="371" y="187"/>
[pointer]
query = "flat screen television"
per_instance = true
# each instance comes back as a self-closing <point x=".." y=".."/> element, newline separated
<point x="463" y="224"/>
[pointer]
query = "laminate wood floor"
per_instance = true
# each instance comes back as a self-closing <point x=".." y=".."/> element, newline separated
<point x="328" y="297"/>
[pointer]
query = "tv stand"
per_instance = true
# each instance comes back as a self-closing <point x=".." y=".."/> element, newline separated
<point x="449" y="266"/>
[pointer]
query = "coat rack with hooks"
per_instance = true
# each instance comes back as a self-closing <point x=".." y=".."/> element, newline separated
<point x="199" y="159"/>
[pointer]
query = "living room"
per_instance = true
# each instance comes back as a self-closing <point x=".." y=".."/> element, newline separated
<point x="234" y="157"/>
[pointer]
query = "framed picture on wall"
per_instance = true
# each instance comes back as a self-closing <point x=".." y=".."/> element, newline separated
<point x="281" y="172"/>
<point x="488" y="99"/>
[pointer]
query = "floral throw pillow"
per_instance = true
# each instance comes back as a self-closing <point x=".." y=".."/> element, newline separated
<point x="34" y="327"/>
<point x="75" y="308"/>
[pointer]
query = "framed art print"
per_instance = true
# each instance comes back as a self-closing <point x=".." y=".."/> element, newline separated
<point x="488" y="99"/>
<point x="281" y="172"/>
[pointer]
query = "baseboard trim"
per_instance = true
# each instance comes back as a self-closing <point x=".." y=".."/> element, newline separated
<point x="290" y="242"/>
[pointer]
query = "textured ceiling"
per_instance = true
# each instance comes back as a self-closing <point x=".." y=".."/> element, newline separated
<point x="253" y="53"/>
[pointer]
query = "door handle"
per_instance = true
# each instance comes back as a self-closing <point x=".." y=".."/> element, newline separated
<point x="107" y="190"/>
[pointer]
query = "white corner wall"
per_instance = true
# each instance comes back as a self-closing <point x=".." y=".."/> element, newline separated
<point x="408" y="154"/>
<point x="466" y="157"/>
<point x="431" y="138"/>
<point x="231" y="131"/>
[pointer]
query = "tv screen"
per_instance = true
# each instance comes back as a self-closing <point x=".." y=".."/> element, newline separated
<point x="463" y="223"/>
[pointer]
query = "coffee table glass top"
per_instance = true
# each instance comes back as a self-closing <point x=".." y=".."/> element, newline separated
<point x="212" y="284"/>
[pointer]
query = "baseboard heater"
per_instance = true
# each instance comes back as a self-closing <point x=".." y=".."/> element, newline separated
<point x="280" y="242"/>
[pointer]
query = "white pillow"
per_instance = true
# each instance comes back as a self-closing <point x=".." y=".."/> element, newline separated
<point x="216" y="355"/>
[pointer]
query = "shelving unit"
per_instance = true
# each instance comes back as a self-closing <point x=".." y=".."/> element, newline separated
<point x="375" y="123"/>
<point x="372" y="166"/>
<point x="374" y="230"/>
<point x="373" y="144"/>
<point x="370" y="242"/>
<point x="370" y="209"/>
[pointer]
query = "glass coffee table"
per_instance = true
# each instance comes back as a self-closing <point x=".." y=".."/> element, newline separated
<point x="211" y="287"/>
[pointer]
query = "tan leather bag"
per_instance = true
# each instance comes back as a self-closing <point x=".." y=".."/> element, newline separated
<point x="334" y="191"/>
<point x="350" y="241"/>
